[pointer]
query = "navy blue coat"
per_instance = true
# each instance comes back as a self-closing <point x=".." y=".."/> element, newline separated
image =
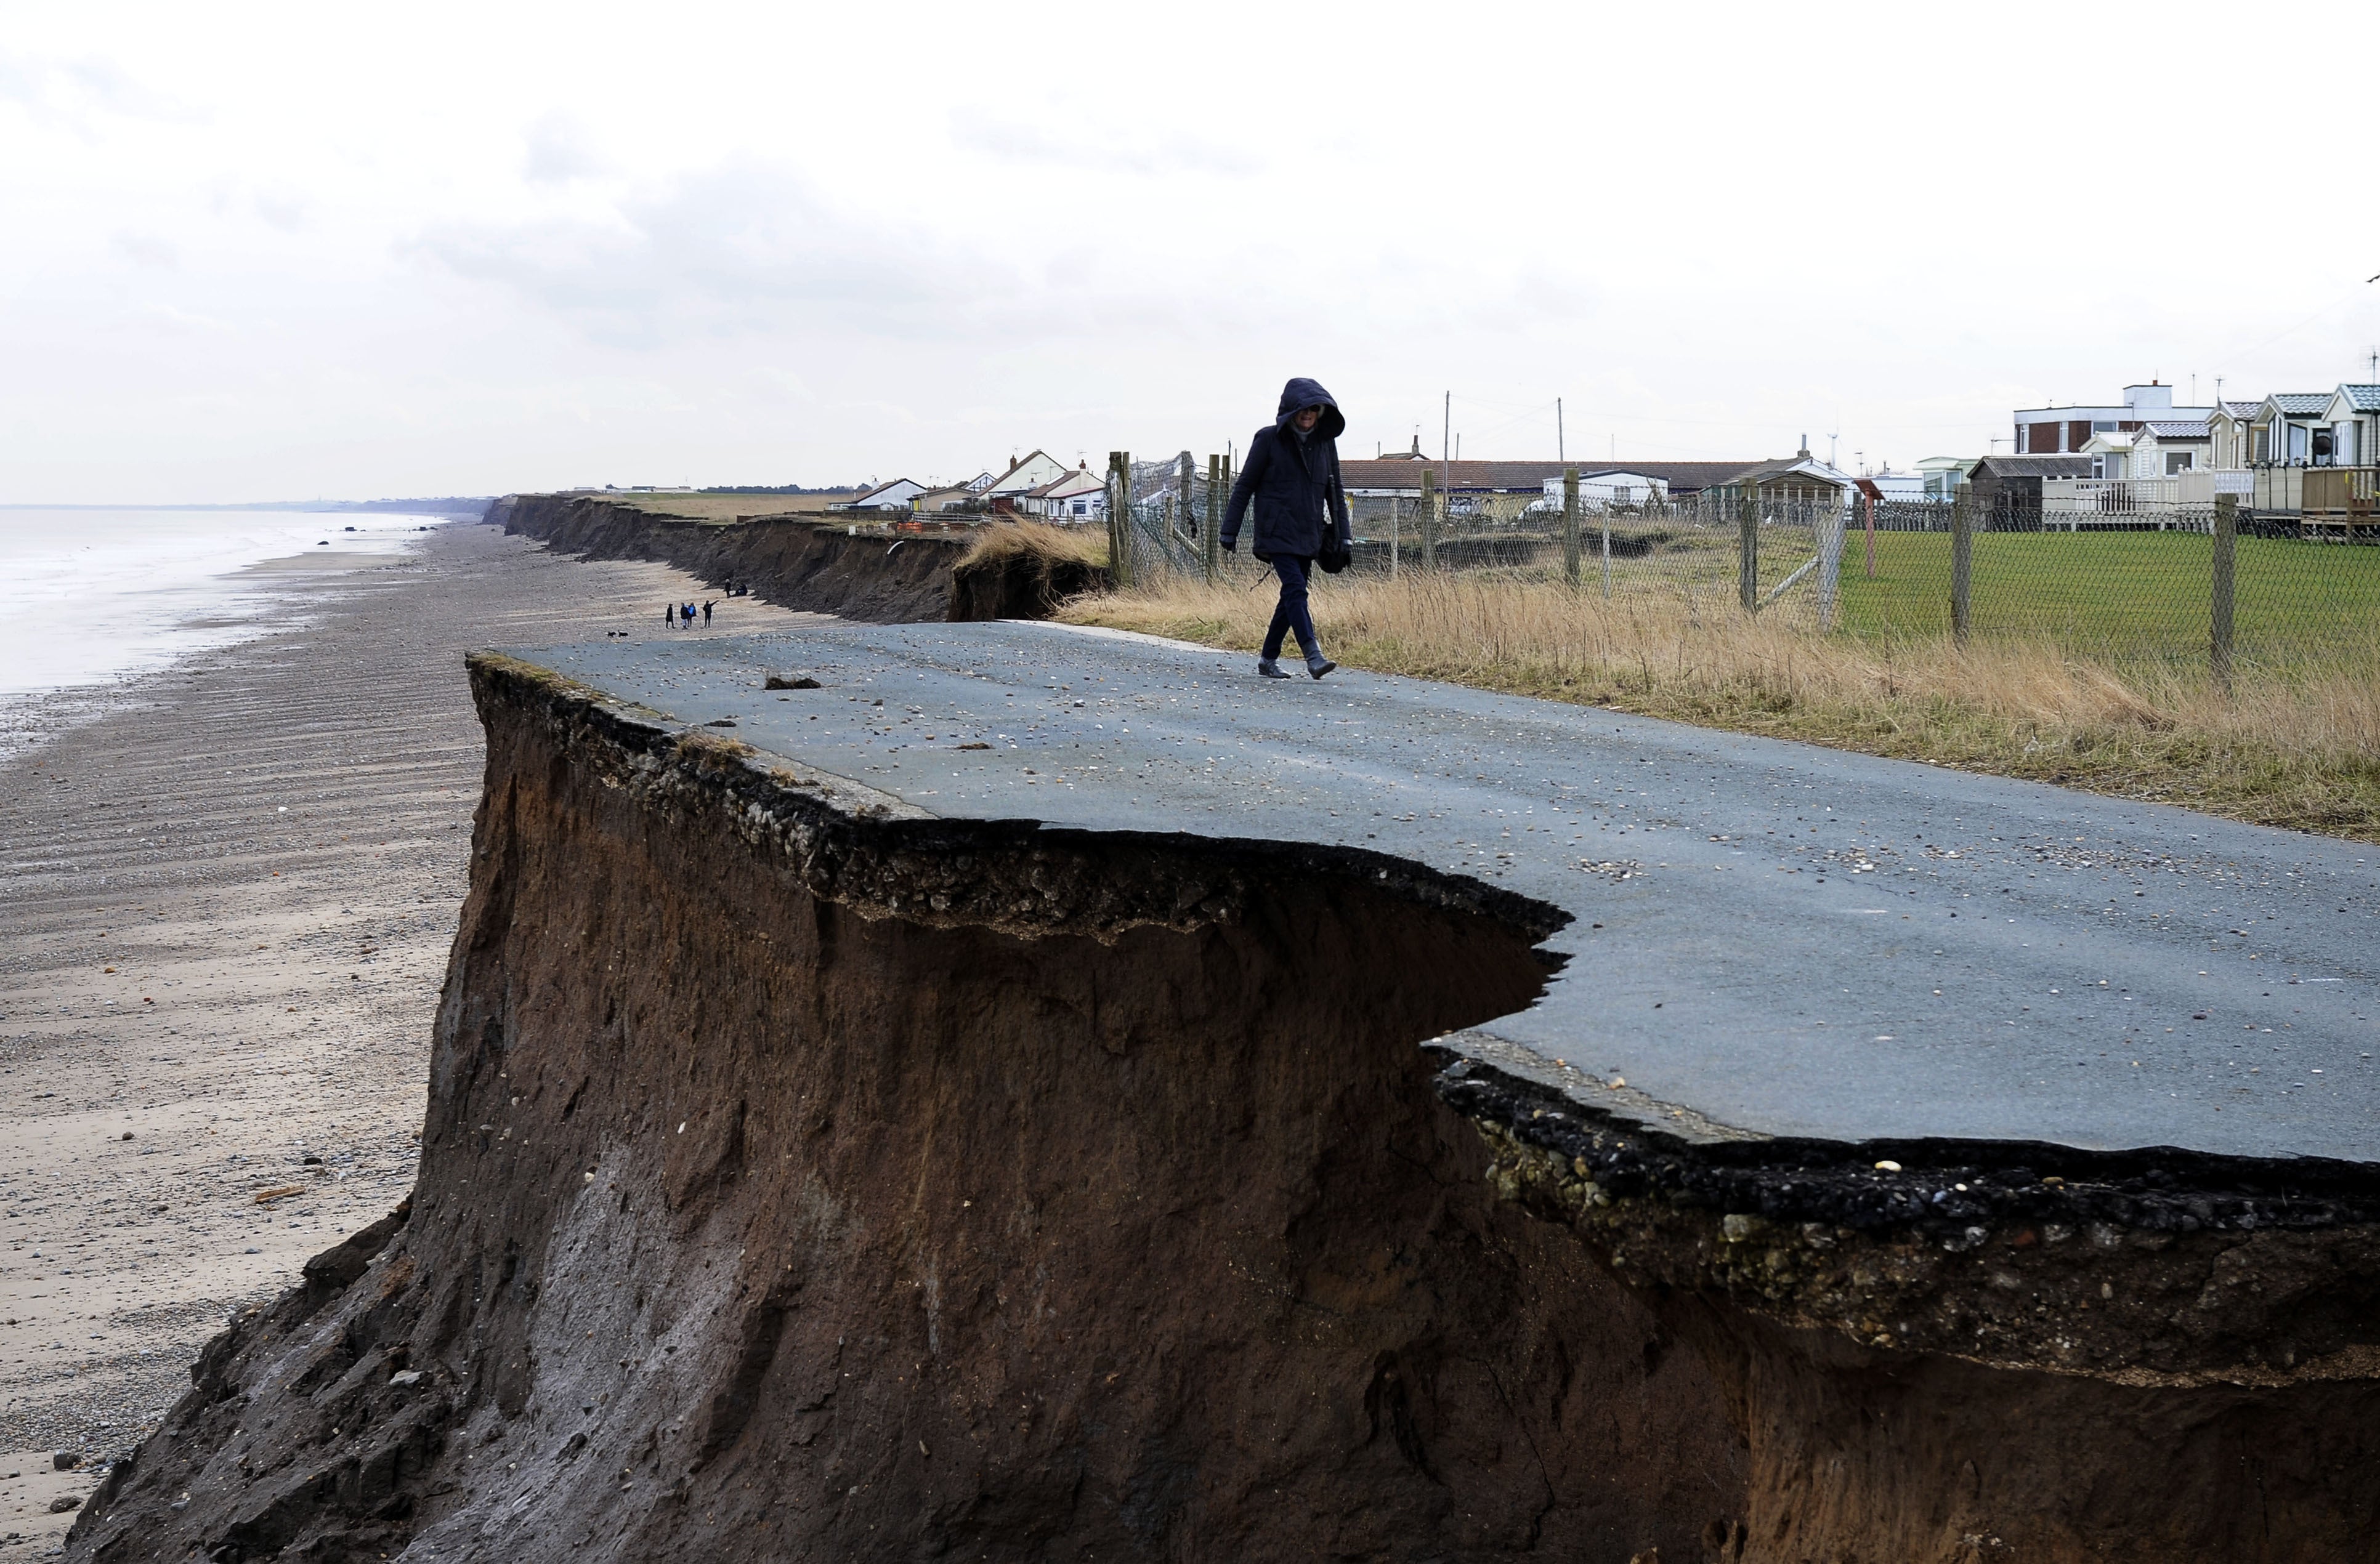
<point x="1294" y="484"/>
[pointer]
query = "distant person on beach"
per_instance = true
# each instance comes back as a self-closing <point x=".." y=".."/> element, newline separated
<point x="669" y="615"/>
<point x="706" y="612"/>
<point x="1291" y="475"/>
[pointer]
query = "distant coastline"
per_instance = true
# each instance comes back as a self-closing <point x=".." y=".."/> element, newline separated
<point x="471" y="506"/>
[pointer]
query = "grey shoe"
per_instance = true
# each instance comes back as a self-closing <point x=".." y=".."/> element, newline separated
<point x="1269" y="669"/>
<point x="1318" y="664"/>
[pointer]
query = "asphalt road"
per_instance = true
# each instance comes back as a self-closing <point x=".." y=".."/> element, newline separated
<point x="1770" y="937"/>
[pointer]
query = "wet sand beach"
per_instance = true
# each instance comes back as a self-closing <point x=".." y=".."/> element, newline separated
<point x="226" y="906"/>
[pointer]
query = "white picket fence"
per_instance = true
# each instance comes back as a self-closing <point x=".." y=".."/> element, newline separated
<point x="2075" y="503"/>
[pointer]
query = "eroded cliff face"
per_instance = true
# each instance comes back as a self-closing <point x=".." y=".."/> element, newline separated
<point x="804" y="1178"/>
<point x="793" y="561"/>
<point x="1965" y="1351"/>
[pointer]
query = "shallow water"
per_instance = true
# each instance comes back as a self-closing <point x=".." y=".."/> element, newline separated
<point x="103" y="596"/>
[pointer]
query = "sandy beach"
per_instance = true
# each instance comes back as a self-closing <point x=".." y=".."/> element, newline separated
<point x="226" y="906"/>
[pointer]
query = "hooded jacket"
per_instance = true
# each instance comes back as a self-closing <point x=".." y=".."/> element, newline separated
<point x="1294" y="484"/>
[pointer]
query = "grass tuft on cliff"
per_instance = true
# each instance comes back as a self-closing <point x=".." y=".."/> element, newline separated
<point x="2297" y="748"/>
<point x="1003" y="541"/>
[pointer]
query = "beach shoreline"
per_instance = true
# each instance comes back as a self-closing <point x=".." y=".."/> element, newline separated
<point x="227" y="891"/>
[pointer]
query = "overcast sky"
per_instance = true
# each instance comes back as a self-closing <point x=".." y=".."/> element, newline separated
<point x="261" y="252"/>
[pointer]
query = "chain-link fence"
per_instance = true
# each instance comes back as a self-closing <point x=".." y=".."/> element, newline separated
<point x="2215" y="585"/>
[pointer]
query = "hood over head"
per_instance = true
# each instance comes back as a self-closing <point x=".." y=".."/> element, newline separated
<point x="1303" y="393"/>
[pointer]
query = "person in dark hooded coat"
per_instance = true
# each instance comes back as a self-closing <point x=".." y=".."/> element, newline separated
<point x="1292" y="479"/>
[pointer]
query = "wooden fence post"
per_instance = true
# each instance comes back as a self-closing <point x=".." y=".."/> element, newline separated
<point x="1211" y="545"/>
<point x="1185" y="515"/>
<point x="1570" y="524"/>
<point x="1428" y="520"/>
<point x="1119" y="517"/>
<point x="1747" y="547"/>
<point x="1962" y="561"/>
<point x="2227" y="543"/>
<point x="1108" y="499"/>
<point x="1131" y="550"/>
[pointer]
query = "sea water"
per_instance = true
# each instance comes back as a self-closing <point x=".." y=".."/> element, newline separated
<point x="95" y="597"/>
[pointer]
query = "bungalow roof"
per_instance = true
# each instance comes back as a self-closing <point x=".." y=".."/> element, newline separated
<point x="2030" y="466"/>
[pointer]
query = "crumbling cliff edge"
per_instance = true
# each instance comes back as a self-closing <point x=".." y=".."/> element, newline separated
<point x="804" y="562"/>
<point x="803" y="1176"/>
<point x="808" y="1175"/>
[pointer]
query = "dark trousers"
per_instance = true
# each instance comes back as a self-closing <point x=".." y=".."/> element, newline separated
<point x="1291" y="613"/>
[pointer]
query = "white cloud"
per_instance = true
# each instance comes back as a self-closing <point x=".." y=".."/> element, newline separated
<point x="295" y="250"/>
<point x="559" y="150"/>
<point x="145" y="250"/>
<point x="1130" y="149"/>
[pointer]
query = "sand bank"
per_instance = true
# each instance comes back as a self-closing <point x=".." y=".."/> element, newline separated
<point x="226" y="906"/>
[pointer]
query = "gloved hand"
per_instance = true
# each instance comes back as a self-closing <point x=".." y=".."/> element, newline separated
<point x="1231" y="545"/>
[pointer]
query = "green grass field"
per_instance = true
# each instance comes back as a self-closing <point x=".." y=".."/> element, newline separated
<point x="2117" y="593"/>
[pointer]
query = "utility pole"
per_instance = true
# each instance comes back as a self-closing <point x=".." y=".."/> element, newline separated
<point x="1446" y="459"/>
<point x="1561" y="451"/>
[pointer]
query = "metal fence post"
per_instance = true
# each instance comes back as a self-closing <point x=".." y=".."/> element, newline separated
<point x="1428" y="520"/>
<point x="1963" y="561"/>
<point x="1747" y="547"/>
<point x="2227" y="543"/>
<point x="1607" y="550"/>
<point x="1570" y="524"/>
<point x="1393" y="504"/>
<point x="1211" y="545"/>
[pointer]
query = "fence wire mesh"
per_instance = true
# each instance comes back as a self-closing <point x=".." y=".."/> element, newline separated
<point x="2209" y="585"/>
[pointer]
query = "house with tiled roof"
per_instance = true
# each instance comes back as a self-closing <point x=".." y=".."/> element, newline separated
<point x="2230" y="433"/>
<point x="2167" y="446"/>
<point x="2354" y="418"/>
<point x="1799" y="478"/>
<point x="1080" y="495"/>
<point x="894" y="496"/>
<point x="2111" y="452"/>
<point x="1025" y="474"/>
<point x="2286" y="428"/>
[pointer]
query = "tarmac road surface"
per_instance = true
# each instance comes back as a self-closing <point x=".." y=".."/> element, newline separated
<point x="1769" y="939"/>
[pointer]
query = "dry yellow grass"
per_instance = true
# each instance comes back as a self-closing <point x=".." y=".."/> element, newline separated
<point x="2299" y="750"/>
<point x="1004" y="539"/>
<point x="724" y="508"/>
